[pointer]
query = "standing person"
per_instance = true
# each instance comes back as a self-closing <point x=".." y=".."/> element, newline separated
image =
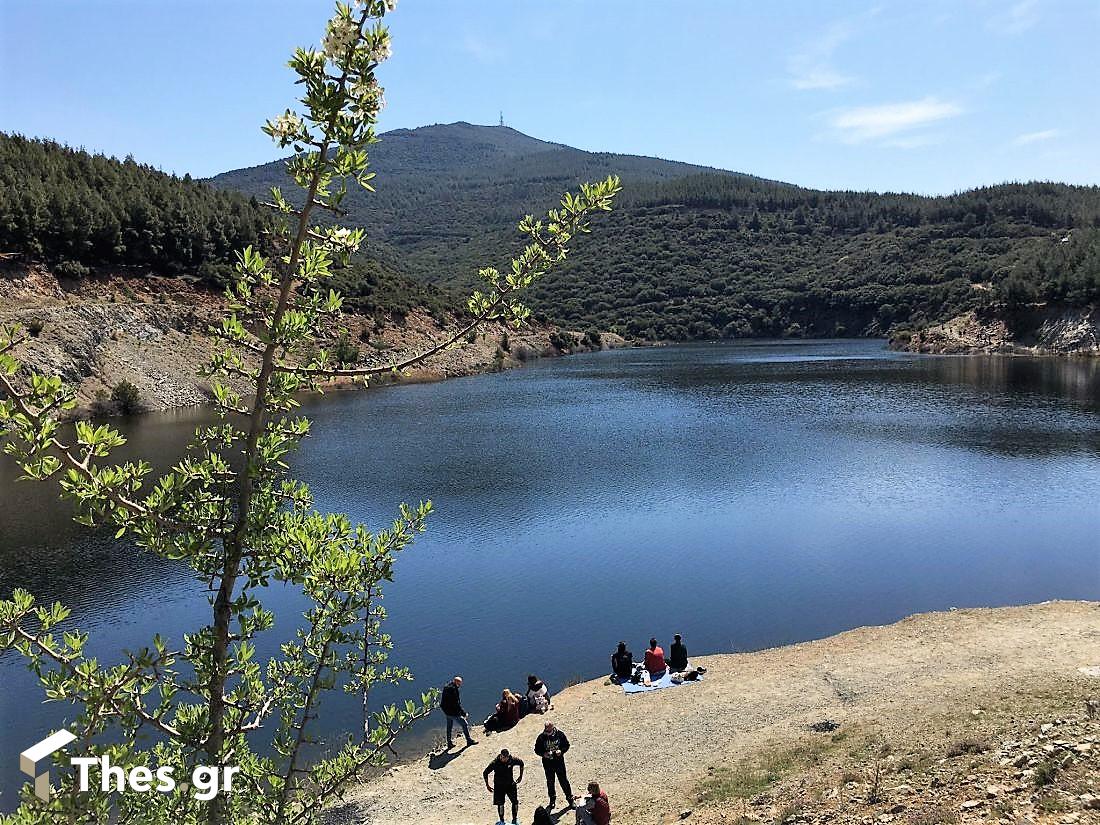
<point x="596" y="810"/>
<point x="678" y="655"/>
<point x="552" y="745"/>
<point x="451" y="705"/>
<point x="655" y="661"/>
<point x="622" y="663"/>
<point x="505" y="783"/>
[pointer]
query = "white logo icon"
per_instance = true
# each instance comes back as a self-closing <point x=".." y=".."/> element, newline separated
<point x="29" y="759"/>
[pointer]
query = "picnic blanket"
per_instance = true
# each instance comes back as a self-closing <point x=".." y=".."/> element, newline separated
<point x="662" y="683"/>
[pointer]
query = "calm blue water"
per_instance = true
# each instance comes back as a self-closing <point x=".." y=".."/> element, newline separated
<point x="744" y="495"/>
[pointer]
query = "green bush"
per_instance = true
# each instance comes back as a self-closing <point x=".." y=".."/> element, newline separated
<point x="344" y="351"/>
<point x="71" y="269"/>
<point x="562" y="341"/>
<point x="126" y="398"/>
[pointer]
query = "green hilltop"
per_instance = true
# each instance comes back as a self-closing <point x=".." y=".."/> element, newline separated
<point x="698" y="253"/>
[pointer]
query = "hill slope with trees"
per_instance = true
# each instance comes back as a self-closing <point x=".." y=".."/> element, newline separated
<point x="80" y="213"/>
<point x="696" y="253"/>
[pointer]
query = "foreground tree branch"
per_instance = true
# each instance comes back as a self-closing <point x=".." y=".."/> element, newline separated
<point x="230" y="512"/>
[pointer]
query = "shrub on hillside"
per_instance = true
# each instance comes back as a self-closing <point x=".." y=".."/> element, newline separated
<point x="126" y="398"/>
<point x="71" y="269"/>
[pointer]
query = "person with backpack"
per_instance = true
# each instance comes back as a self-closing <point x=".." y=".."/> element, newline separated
<point x="552" y="745"/>
<point x="622" y="663"/>
<point x="505" y="782"/>
<point x="450" y="703"/>
<point x="678" y="655"/>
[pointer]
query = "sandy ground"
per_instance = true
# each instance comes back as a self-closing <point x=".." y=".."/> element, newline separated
<point x="651" y="751"/>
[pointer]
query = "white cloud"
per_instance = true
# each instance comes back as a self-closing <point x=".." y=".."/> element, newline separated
<point x="812" y="68"/>
<point x="1017" y="18"/>
<point x="818" y="77"/>
<point x="1035" y="137"/>
<point x="893" y="123"/>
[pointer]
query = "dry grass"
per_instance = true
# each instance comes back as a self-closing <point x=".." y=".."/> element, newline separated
<point x="750" y="777"/>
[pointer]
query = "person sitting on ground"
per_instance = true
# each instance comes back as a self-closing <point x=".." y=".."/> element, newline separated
<point x="538" y="697"/>
<point x="622" y="663"/>
<point x="542" y="817"/>
<point x="596" y="810"/>
<point x="655" y="661"/>
<point x="678" y="655"/>
<point x="508" y="709"/>
<point x="506" y="715"/>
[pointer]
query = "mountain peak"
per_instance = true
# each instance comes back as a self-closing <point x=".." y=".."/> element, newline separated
<point x="499" y="140"/>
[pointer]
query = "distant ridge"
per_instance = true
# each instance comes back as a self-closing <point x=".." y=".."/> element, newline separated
<point x="693" y="252"/>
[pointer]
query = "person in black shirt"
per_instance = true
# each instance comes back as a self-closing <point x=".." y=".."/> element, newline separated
<point x="552" y="745"/>
<point x="678" y="655"/>
<point x="451" y="704"/>
<point x="505" y="782"/>
<point x="622" y="662"/>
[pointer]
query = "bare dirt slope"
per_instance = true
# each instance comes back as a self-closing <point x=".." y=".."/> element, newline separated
<point x="918" y="684"/>
<point x="154" y="333"/>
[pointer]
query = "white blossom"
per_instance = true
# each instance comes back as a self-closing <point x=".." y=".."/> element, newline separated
<point x="367" y="95"/>
<point x="286" y="127"/>
<point x="381" y="49"/>
<point x="341" y="36"/>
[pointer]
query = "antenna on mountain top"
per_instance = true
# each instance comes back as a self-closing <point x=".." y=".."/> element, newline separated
<point x="502" y="118"/>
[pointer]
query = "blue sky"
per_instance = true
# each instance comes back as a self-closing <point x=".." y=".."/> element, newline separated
<point x="921" y="96"/>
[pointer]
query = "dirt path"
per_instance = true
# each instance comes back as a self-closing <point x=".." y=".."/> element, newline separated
<point x="650" y="751"/>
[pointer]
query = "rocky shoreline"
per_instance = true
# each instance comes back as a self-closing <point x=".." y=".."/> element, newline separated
<point x="153" y="333"/>
<point x="1038" y="329"/>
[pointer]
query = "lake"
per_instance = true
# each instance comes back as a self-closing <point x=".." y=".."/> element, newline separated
<point x="745" y="495"/>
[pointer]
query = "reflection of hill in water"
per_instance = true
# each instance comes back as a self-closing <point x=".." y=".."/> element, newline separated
<point x="1011" y="405"/>
<point x="43" y="550"/>
<point x="1012" y="377"/>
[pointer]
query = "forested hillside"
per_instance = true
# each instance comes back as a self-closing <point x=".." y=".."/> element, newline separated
<point x="80" y="212"/>
<point x="77" y="210"/>
<point x="701" y="253"/>
<point x="689" y="253"/>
